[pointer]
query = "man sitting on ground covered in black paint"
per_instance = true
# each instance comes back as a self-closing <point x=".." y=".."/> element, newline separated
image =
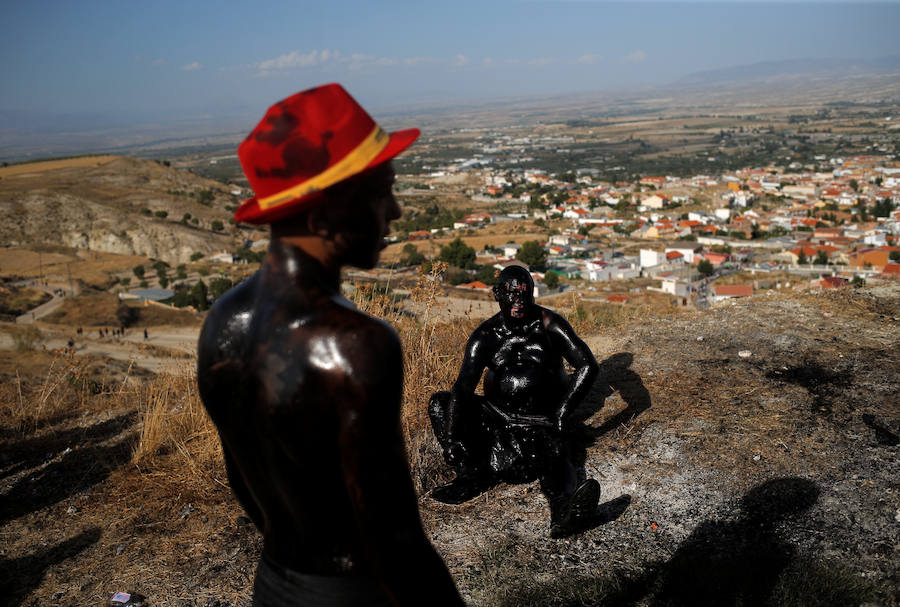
<point x="519" y="429"/>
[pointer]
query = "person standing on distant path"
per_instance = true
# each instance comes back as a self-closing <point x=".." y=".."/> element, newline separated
<point x="304" y="389"/>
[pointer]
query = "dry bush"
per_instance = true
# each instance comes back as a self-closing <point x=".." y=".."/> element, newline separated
<point x="432" y="353"/>
<point x="175" y="422"/>
<point x="65" y="389"/>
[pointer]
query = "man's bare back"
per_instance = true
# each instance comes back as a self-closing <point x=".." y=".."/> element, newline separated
<point x="305" y="391"/>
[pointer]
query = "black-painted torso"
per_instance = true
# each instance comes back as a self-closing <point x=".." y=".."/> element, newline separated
<point x="305" y="392"/>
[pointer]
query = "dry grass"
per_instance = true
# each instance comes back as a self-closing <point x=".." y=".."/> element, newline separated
<point x="66" y="386"/>
<point x="175" y="422"/>
<point x="15" y="300"/>
<point x="28" y="168"/>
<point x="99" y="310"/>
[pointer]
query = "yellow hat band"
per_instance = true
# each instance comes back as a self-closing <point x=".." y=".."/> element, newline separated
<point x="351" y="164"/>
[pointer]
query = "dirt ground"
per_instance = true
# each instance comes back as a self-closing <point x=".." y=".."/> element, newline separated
<point x="748" y="455"/>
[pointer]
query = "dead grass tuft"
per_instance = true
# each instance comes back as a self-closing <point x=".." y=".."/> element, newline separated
<point x="66" y="388"/>
<point x="175" y="422"/>
<point x="432" y="352"/>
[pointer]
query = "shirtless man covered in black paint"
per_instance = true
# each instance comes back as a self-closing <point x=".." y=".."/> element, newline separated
<point x="519" y="429"/>
<point x="304" y="389"/>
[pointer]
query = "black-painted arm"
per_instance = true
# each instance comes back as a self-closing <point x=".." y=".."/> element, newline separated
<point x="473" y="365"/>
<point x="377" y="476"/>
<point x="577" y="353"/>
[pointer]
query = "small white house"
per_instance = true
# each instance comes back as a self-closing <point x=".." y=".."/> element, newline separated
<point x="650" y="258"/>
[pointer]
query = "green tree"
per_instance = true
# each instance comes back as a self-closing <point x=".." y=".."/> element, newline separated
<point x="138" y="271"/>
<point x="551" y="279"/>
<point x="854" y="185"/>
<point x="411" y="255"/>
<point x="533" y="255"/>
<point x="894" y="256"/>
<point x="487" y="275"/>
<point x="858" y="281"/>
<point x="196" y="256"/>
<point x="705" y="267"/>
<point x="198" y="295"/>
<point x="125" y="281"/>
<point x="458" y="254"/>
<point x="205" y="197"/>
<point x="126" y="315"/>
<point x="457" y="276"/>
<point x="185" y="218"/>
<point x="162" y="214"/>
<point x="181" y="272"/>
<point x="218" y="286"/>
<point x="801" y="258"/>
<point x="216" y="225"/>
<point x="821" y="258"/>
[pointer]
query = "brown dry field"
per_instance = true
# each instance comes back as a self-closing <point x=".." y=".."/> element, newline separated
<point x="93" y="268"/>
<point x="52" y="165"/>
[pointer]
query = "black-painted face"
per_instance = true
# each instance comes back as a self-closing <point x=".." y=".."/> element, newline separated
<point x="371" y="208"/>
<point x="515" y="297"/>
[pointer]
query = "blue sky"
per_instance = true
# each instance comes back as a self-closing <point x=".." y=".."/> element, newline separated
<point x="162" y="58"/>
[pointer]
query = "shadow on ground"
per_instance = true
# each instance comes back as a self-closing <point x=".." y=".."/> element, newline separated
<point x="615" y="376"/>
<point x="76" y="471"/>
<point x="30" y="452"/>
<point x="19" y="576"/>
<point x="738" y="558"/>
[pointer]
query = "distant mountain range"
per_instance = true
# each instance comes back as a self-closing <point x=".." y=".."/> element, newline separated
<point x="808" y="68"/>
<point x="26" y="134"/>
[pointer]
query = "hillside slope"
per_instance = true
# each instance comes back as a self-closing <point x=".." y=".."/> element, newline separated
<point x="104" y="207"/>
<point x="747" y="455"/>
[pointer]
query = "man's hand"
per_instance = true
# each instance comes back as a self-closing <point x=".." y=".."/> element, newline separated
<point x="563" y="424"/>
<point x="456" y="454"/>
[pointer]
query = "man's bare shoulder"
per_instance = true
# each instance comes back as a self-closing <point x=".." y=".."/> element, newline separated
<point x="230" y="316"/>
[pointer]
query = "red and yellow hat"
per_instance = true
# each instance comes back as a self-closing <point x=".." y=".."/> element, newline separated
<point x="306" y="143"/>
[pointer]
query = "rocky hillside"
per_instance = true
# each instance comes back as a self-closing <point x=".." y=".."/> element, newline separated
<point x="117" y="205"/>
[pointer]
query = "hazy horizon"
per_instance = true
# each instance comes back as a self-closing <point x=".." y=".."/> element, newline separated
<point x="99" y="65"/>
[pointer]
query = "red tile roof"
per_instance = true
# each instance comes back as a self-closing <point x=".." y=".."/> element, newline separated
<point x="733" y="290"/>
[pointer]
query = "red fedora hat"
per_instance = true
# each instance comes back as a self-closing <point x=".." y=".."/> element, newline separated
<point x="306" y="143"/>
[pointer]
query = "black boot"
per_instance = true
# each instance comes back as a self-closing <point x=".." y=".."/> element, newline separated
<point x="576" y="512"/>
<point x="461" y="489"/>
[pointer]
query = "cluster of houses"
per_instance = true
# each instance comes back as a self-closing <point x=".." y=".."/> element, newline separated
<point x="814" y="223"/>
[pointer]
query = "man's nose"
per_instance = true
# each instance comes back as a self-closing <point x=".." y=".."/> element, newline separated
<point x="393" y="208"/>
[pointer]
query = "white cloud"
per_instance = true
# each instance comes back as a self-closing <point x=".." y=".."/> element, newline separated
<point x="296" y="59"/>
<point x="415" y="60"/>
<point x="460" y="61"/>
<point x="192" y="67"/>
<point x="636" y="57"/>
<point x="324" y="58"/>
<point x="488" y="62"/>
<point x="589" y="59"/>
<point x="541" y="62"/>
<point x="158" y="62"/>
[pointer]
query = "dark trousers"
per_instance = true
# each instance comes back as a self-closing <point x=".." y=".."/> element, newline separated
<point x="276" y="586"/>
